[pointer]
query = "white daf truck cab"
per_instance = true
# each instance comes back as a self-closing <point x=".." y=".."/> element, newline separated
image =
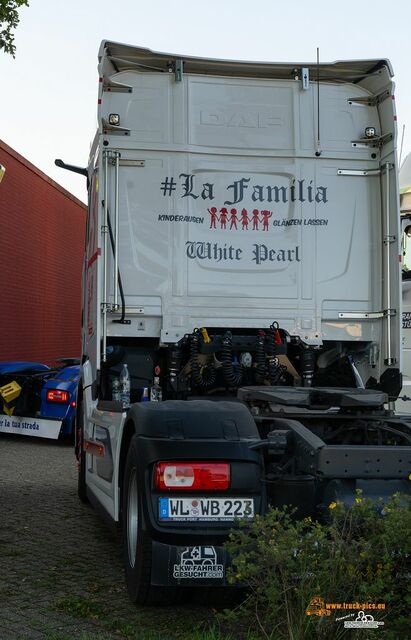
<point x="242" y="254"/>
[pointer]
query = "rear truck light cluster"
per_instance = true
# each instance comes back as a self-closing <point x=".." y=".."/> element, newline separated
<point x="192" y="476"/>
<point x="56" y="395"/>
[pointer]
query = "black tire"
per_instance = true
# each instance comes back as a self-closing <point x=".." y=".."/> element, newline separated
<point x="81" y="479"/>
<point x="137" y="548"/>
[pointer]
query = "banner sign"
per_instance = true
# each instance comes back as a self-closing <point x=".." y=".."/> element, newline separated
<point x="39" y="427"/>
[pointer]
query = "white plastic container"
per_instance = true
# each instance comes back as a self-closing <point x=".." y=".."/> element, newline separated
<point x="125" y="386"/>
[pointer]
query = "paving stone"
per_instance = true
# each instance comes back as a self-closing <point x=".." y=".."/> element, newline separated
<point x="61" y="574"/>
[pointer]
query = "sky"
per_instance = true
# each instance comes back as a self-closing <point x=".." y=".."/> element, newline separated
<point x="48" y="98"/>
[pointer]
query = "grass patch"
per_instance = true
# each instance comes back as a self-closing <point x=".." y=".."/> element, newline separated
<point x="120" y="626"/>
<point x="45" y="582"/>
<point x="166" y="623"/>
<point x="129" y="631"/>
<point x="11" y="553"/>
<point x="79" y="607"/>
<point x="82" y="636"/>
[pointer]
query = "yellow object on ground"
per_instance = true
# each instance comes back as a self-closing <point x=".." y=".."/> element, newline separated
<point x="9" y="392"/>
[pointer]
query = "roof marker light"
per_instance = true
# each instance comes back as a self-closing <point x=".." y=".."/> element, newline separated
<point x="114" y="119"/>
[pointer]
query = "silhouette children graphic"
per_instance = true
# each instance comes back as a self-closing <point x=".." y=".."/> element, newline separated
<point x="223" y="217"/>
<point x="214" y="217"/>
<point x="266" y="215"/>
<point x="244" y="219"/>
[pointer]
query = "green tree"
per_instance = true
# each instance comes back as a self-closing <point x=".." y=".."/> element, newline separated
<point x="9" y="19"/>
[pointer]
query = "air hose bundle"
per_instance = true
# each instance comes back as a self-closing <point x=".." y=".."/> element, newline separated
<point x="267" y="363"/>
<point x="232" y="373"/>
<point x="201" y="376"/>
<point x="273" y="342"/>
<point x="260" y="372"/>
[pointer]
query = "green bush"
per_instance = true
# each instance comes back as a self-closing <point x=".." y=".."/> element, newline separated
<point x="361" y="555"/>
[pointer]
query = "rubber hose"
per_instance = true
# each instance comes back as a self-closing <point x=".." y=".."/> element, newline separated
<point x="260" y="373"/>
<point x="275" y="369"/>
<point x="199" y="380"/>
<point x="308" y="359"/>
<point x="232" y="375"/>
<point x="174" y="365"/>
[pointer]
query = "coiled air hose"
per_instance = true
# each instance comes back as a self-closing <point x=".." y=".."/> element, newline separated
<point x="260" y="372"/>
<point x="275" y="369"/>
<point x="232" y="373"/>
<point x="308" y="360"/>
<point x="202" y="377"/>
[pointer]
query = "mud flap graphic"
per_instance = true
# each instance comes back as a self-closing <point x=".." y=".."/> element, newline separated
<point x="198" y="563"/>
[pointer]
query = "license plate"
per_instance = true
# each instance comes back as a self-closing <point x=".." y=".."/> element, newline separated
<point x="205" y="509"/>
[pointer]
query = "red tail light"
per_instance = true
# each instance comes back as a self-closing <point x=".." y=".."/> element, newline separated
<point x="192" y="476"/>
<point x="55" y="395"/>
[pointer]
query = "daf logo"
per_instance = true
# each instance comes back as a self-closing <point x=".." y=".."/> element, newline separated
<point x="239" y="118"/>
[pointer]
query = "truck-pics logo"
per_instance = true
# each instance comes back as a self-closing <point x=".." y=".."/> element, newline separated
<point x="198" y="563"/>
<point x="363" y="621"/>
<point x="318" y="607"/>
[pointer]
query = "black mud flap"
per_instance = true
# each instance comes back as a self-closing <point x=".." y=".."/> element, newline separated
<point x="194" y="566"/>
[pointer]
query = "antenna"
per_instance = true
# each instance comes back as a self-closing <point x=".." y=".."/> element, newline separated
<point x="318" y="152"/>
<point x="402" y="144"/>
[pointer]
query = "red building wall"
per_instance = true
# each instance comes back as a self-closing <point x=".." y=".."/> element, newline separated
<point x="41" y="253"/>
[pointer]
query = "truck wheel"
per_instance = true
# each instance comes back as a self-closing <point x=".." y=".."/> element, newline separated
<point x="137" y="549"/>
<point x="81" y="479"/>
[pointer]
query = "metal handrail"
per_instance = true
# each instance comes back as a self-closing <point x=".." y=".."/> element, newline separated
<point x="104" y="233"/>
<point x="112" y="157"/>
<point x="388" y="239"/>
<point x="116" y="218"/>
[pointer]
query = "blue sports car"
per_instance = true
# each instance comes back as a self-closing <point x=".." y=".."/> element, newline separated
<point x="38" y="400"/>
